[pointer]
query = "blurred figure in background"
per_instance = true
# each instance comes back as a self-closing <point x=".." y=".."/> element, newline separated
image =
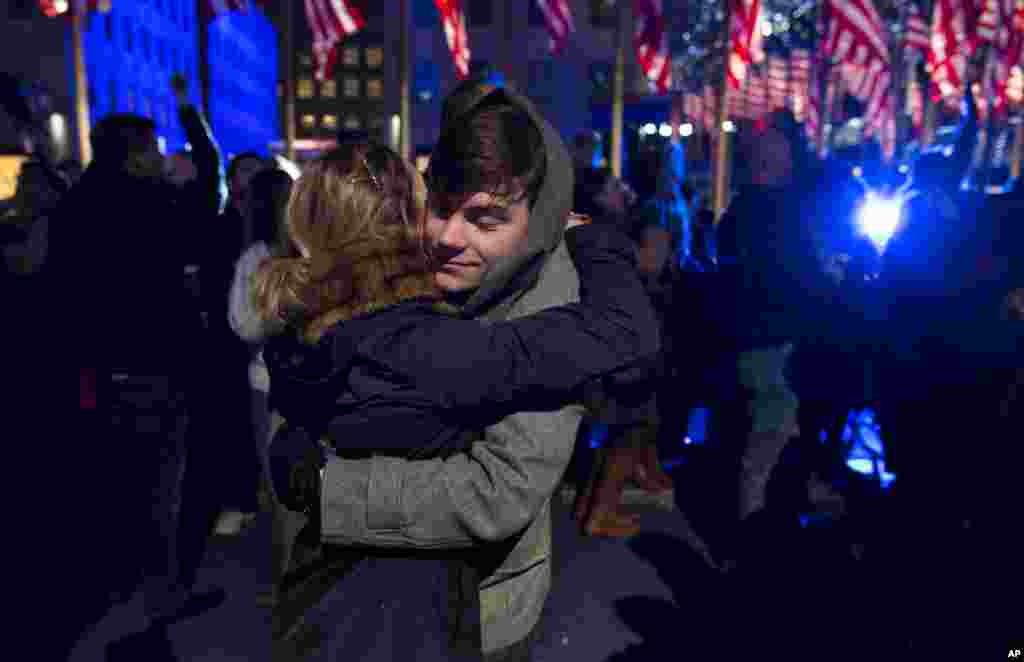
<point x="266" y="207"/>
<point x="606" y="199"/>
<point x="135" y="331"/>
<point x="586" y="150"/>
<point x="772" y="276"/>
<point x="662" y="228"/>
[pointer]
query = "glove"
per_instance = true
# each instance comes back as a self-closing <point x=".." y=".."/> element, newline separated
<point x="296" y="459"/>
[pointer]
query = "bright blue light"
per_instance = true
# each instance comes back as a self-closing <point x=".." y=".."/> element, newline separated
<point x="879" y="217"/>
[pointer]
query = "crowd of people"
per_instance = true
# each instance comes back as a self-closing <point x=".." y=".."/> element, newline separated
<point x="400" y="367"/>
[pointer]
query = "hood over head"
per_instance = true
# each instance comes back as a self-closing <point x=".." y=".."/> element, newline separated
<point x="514" y="275"/>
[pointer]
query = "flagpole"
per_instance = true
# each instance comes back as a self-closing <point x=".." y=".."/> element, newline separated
<point x="928" y="134"/>
<point x="404" y="104"/>
<point x="719" y="192"/>
<point x="81" y="88"/>
<point x="618" y="87"/>
<point x="824" y="78"/>
<point x="908" y="114"/>
<point x="1018" y="149"/>
<point x="988" y="89"/>
<point x="928" y="130"/>
<point x="288" y="106"/>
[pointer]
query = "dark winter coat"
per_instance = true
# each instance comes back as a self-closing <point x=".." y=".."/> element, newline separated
<point x="412" y="379"/>
<point x="774" y="289"/>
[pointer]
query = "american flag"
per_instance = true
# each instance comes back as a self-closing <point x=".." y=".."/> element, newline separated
<point x="330" y="21"/>
<point x="917" y="29"/>
<point x="800" y="68"/>
<point x="778" y="79"/>
<point x="950" y="48"/>
<point x="691" y="107"/>
<point x="855" y="39"/>
<point x="453" y="18"/>
<point x="650" y="38"/>
<point x="815" y="109"/>
<point x="738" y="105"/>
<point x="987" y="28"/>
<point x="710" y="109"/>
<point x="558" y="17"/>
<point x="757" y="97"/>
<point x="79" y="7"/>
<point x="915" y="105"/>
<point x="1009" y="50"/>
<point x="745" y="40"/>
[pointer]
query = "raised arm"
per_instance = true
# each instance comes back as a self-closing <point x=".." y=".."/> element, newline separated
<point x="205" y="153"/>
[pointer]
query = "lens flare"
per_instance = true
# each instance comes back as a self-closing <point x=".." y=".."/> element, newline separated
<point x="879" y="217"/>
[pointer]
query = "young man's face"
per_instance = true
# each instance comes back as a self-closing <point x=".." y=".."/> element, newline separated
<point x="469" y="235"/>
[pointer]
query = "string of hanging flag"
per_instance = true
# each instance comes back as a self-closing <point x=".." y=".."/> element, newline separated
<point x="854" y="55"/>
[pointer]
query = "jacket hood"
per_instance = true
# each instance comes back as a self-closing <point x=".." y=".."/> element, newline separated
<point x="511" y="276"/>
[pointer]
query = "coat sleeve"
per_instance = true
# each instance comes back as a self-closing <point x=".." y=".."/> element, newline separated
<point x="534" y="362"/>
<point x="490" y="493"/>
<point x="207" y="158"/>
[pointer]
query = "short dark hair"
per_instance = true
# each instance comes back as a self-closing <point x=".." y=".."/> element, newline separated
<point x="495" y="148"/>
<point x="117" y="137"/>
<point x="237" y="162"/>
<point x="268" y="201"/>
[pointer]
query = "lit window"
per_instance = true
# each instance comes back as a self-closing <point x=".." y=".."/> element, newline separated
<point x="329" y="122"/>
<point x="350" y="57"/>
<point x="351" y="88"/>
<point x="305" y="88"/>
<point x="375" y="88"/>
<point x="352" y="123"/>
<point x="308" y="121"/>
<point x="374" y="57"/>
<point x="329" y="89"/>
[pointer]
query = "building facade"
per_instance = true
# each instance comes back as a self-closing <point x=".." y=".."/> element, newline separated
<point x="572" y="89"/>
<point x="34" y="48"/>
<point x="131" y="53"/>
<point x="242" y="52"/>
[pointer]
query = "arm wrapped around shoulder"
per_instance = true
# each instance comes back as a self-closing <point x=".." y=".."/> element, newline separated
<point x="296" y="459"/>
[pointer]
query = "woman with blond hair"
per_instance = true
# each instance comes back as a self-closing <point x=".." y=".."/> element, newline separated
<point x="374" y="364"/>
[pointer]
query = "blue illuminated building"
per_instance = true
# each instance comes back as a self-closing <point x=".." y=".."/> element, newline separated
<point x="243" y="60"/>
<point x="131" y="53"/>
<point x="133" y="50"/>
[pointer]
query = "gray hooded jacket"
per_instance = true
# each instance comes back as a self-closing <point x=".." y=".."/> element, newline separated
<point x="500" y="489"/>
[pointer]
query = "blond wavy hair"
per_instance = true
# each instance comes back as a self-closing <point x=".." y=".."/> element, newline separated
<point x="356" y="217"/>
